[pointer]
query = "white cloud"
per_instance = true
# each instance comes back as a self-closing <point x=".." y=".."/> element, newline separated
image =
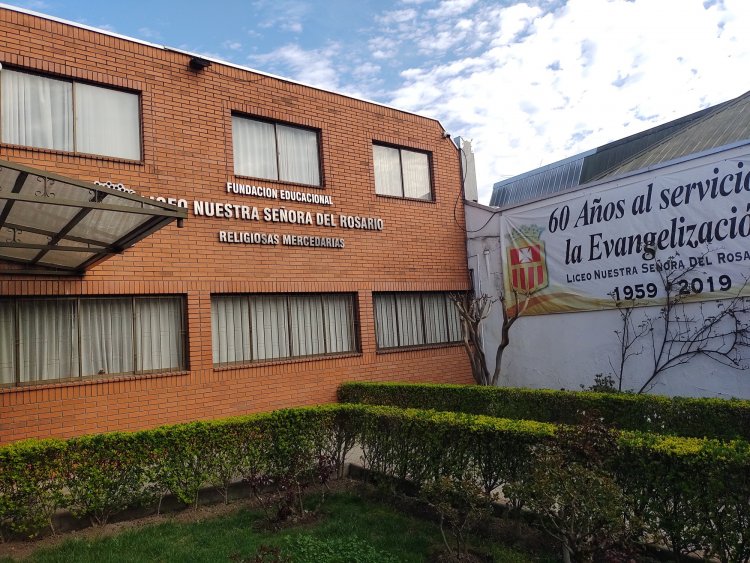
<point x="366" y="69"/>
<point x="149" y="33"/>
<point x="286" y="15"/>
<point x="383" y="47"/>
<point x="35" y="5"/>
<point x="315" y="67"/>
<point x="232" y="45"/>
<point x="450" y="8"/>
<point x="540" y="85"/>
<point x="397" y="16"/>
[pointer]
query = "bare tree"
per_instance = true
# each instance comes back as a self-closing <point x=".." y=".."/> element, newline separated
<point x="627" y="335"/>
<point x="473" y="310"/>
<point x="684" y="330"/>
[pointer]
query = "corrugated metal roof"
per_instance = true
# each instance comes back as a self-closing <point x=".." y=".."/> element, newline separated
<point x="725" y="124"/>
<point x="539" y="182"/>
<point x="612" y="155"/>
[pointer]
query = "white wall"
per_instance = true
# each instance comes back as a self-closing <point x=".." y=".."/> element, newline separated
<point x="565" y="351"/>
<point x="485" y="263"/>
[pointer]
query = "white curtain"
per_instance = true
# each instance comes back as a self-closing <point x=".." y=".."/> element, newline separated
<point x="270" y="327"/>
<point x="36" y="111"/>
<point x="416" y="171"/>
<point x="298" y="155"/>
<point x="267" y="327"/>
<point x="435" y="318"/>
<point x="48" y="343"/>
<point x="387" y="171"/>
<point x="386" y="328"/>
<point x="412" y="319"/>
<point x="106" y="336"/>
<point x="254" y="148"/>
<point x="107" y="122"/>
<point x="339" y="323"/>
<point x="454" y="322"/>
<point x="159" y="334"/>
<point x="230" y="329"/>
<point x="7" y="343"/>
<point x="409" y="312"/>
<point x="306" y="314"/>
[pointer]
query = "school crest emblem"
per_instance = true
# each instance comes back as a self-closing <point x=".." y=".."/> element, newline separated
<point x="526" y="260"/>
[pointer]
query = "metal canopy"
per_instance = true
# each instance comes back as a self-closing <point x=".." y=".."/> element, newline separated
<point x="54" y="224"/>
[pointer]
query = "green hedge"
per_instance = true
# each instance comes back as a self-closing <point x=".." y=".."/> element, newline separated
<point x="96" y="476"/>
<point x="690" y="492"/>
<point x="712" y="418"/>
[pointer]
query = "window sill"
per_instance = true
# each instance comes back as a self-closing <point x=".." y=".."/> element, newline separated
<point x="83" y="155"/>
<point x="418" y="348"/>
<point x="280" y="182"/>
<point x="88" y="380"/>
<point x="300" y="359"/>
<point x="399" y="198"/>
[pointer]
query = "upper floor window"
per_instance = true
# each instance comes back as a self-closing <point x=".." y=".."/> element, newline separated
<point x="47" y="339"/>
<point x="274" y="151"/>
<point x="49" y="113"/>
<point x="401" y="172"/>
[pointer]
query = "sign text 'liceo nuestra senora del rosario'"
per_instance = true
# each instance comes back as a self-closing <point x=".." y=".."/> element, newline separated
<point x="239" y="214"/>
<point x="612" y="242"/>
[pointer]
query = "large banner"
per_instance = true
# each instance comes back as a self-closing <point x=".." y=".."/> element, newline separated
<point x="588" y="249"/>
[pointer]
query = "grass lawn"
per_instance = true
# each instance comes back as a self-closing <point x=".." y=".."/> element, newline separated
<point x="351" y="529"/>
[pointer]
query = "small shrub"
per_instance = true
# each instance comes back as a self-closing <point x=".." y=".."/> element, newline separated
<point x="577" y="500"/>
<point x="602" y="384"/>
<point x="462" y="506"/>
<point x="182" y="459"/>
<point x="32" y="483"/>
<point x="105" y="474"/>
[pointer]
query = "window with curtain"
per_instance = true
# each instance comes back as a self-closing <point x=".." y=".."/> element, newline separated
<point x="404" y="320"/>
<point x="49" y="113"/>
<point x="261" y="327"/>
<point x="274" y="151"/>
<point x="43" y="340"/>
<point x="401" y="172"/>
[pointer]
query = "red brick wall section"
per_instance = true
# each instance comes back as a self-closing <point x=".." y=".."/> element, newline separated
<point x="187" y="153"/>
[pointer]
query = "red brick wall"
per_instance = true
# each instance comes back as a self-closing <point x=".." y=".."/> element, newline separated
<point x="187" y="153"/>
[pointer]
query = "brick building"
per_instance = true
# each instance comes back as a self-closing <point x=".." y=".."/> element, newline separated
<point x="321" y="237"/>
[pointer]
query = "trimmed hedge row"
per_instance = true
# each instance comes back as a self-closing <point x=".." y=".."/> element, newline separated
<point x="712" y="418"/>
<point x="688" y="492"/>
<point x="692" y="494"/>
<point x="96" y="476"/>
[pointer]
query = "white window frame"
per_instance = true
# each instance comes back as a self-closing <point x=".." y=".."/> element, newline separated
<point x="78" y="352"/>
<point x="75" y="117"/>
<point x="404" y="320"/>
<point x="384" y="189"/>
<point x="276" y="150"/>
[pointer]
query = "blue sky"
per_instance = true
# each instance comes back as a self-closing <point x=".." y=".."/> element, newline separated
<point x="529" y="82"/>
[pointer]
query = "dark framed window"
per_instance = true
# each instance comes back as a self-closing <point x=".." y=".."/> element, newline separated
<point x="404" y="320"/>
<point x="48" y="339"/>
<point x="402" y="172"/>
<point x="261" y="327"/>
<point x="275" y="151"/>
<point x="52" y="113"/>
